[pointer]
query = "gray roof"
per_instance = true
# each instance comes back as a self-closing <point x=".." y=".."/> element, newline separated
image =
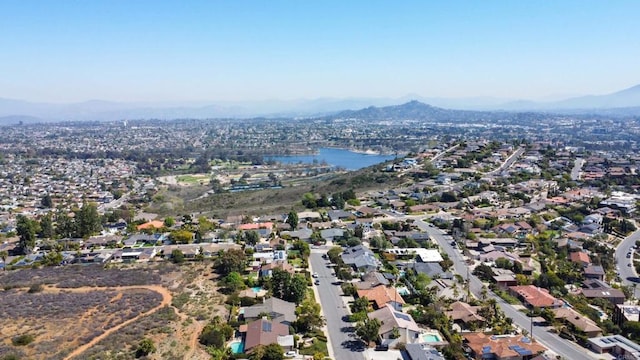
<point x="360" y="257"/>
<point x="431" y="269"/>
<point x="280" y="311"/>
<point x="331" y="233"/>
<point x="422" y="352"/>
<point x="338" y="214"/>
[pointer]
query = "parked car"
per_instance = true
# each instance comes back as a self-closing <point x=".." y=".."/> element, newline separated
<point x="290" y="354"/>
<point x="317" y="282"/>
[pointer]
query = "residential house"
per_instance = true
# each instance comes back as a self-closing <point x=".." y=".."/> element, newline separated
<point x="624" y="313"/>
<point x="337" y="215"/>
<point x="266" y="270"/>
<point x="617" y="345"/>
<point x="371" y="280"/>
<point x="432" y="270"/>
<point x="535" y="297"/>
<point x="422" y="352"/>
<point x="264" y="332"/>
<point x="501" y="347"/>
<point x="397" y="327"/>
<point x="594" y="272"/>
<point x="279" y="311"/>
<point x="381" y="295"/>
<point x="578" y="322"/>
<point x="580" y="257"/>
<point x="465" y="315"/>
<point x="504" y="278"/>
<point x="332" y="234"/>
<point x="360" y="258"/>
<point x="615" y="296"/>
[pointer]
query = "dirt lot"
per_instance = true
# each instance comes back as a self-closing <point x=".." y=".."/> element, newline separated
<point x="93" y="313"/>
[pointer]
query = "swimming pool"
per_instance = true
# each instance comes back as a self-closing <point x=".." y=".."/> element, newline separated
<point x="431" y="338"/>
<point x="256" y="289"/>
<point x="237" y="347"/>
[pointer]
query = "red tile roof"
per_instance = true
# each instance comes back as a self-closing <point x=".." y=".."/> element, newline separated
<point x="381" y="295"/>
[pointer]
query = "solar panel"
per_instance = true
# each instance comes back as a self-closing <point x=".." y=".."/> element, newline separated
<point x="266" y="326"/>
<point x="403" y="316"/>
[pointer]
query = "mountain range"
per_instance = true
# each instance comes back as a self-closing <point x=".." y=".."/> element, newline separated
<point x="624" y="102"/>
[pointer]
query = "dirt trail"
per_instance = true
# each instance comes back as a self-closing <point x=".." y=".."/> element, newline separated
<point x="166" y="300"/>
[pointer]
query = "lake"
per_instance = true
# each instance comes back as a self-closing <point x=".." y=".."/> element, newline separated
<point x="346" y="159"/>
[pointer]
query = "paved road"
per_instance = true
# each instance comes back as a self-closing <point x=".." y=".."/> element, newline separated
<point x="341" y="337"/>
<point x="622" y="261"/>
<point x="508" y="162"/>
<point x="577" y="169"/>
<point x="562" y="347"/>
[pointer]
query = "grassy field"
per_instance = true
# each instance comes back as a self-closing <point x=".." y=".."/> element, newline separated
<point x="176" y="200"/>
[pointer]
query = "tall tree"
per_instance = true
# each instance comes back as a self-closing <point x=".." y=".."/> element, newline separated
<point x="309" y="317"/>
<point x="26" y="229"/>
<point x="47" y="201"/>
<point x="46" y="227"/>
<point x="368" y="329"/>
<point x="87" y="220"/>
<point x="231" y="260"/>
<point x="65" y="226"/>
<point x="292" y="219"/>
<point x="251" y="237"/>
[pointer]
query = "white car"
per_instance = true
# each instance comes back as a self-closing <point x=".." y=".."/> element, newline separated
<point x="290" y="354"/>
<point x="314" y="275"/>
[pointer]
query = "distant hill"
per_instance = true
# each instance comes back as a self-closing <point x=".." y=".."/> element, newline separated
<point x="625" y="102"/>
<point x="415" y="110"/>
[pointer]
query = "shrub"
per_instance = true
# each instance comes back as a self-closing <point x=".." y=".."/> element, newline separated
<point x="36" y="288"/>
<point x="22" y="340"/>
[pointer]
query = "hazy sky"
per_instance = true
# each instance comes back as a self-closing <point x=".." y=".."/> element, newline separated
<point x="133" y="50"/>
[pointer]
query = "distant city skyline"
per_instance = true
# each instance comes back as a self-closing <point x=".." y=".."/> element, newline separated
<point x="165" y="51"/>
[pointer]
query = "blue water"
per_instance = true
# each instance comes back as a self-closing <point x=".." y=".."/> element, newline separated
<point x="430" y="338"/>
<point x="237" y="347"/>
<point x="256" y="289"/>
<point x="335" y="157"/>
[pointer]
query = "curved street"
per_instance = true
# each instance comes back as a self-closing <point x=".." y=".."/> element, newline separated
<point x="626" y="270"/>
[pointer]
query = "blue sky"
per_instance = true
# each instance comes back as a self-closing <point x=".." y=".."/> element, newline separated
<point x="64" y="51"/>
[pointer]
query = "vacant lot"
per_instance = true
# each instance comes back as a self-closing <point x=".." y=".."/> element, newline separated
<point x="95" y="313"/>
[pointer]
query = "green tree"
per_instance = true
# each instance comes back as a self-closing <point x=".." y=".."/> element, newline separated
<point x="234" y="281"/>
<point x="52" y="258"/>
<point x="251" y="237"/>
<point x="145" y="347"/>
<point x="334" y="254"/>
<point x="360" y="304"/>
<point x="309" y="317"/>
<point x="292" y="219"/>
<point x="169" y="221"/>
<point x="297" y="289"/>
<point x="216" y="334"/>
<point x="181" y="237"/>
<point x="231" y="260"/>
<point x="219" y="354"/>
<point x="87" y="220"/>
<point x="177" y="256"/>
<point x="368" y="329"/>
<point x="65" y="226"/>
<point x="46" y="201"/>
<point x="303" y="247"/>
<point x="270" y="352"/>
<point x="46" y="227"/>
<point x="26" y="229"/>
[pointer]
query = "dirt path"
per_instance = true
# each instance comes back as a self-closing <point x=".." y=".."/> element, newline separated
<point x="166" y="300"/>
